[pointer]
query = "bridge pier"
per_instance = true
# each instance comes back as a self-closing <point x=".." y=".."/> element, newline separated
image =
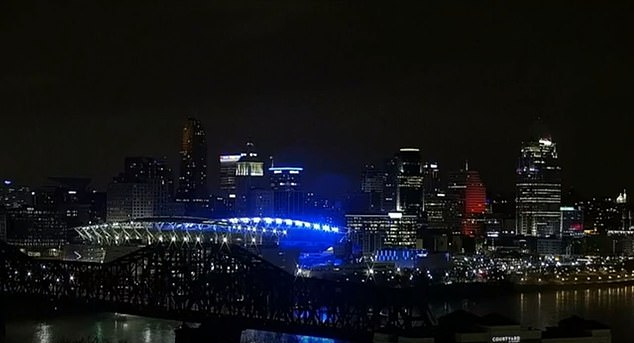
<point x="220" y="331"/>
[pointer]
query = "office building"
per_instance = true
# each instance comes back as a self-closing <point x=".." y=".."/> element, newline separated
<point x="538" y="189"/>
<point x="468" y="194"/>
<point x="373" y="232"/>
<point x="13" y="195"/>
<point x="571" y="221"/>
<point x="3" y="227"/>
<point x="607" y="215"/>
<point x="431" y="178"/>
<point x="192" y="182"/>
<point x="435" y="200"/>
<point x="249" y="177"/>
<point x="289" y="200"/>
<point x="142" y="190"/>
<point x="405" y="182"/>
<point x="227" y="173"/>
<point x="29" y="226"/>
<point x="240" y="175"/>
<point x="373" y="181"/>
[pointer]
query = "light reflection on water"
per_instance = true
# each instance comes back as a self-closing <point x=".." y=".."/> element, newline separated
<point x="252" y="336"/>
<point x="612" y="306"/>
<point x="609" y="305"/>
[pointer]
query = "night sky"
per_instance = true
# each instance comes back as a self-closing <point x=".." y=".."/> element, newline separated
<point x="328" y="85"/>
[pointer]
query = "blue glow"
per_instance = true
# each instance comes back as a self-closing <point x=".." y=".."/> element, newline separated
<point x="7" y="182"/>
<point x="309" y="339"/>
<point x="286" y="168"/>
<point x="278" y="221"/>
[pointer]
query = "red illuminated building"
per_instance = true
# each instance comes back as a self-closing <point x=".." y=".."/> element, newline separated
<point x="469" y="193"/>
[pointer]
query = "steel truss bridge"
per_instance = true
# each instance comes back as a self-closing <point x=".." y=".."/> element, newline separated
<point x="215" y="282"/>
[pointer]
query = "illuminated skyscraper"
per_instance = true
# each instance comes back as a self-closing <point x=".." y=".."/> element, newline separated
<point x="143" y="189"/>
<point x="436" y="200"/>
<point x="192" y="182"/>
<point x="373" y="185"/>
<point x="431" y="178"/>
<point x="538" y="196"/>
<point x="406" y="179"/>
<point x="288" y="198"/>
<point x="228" y="167"/>
<point x="467" y="190"/>
<point x="240" y="175"/>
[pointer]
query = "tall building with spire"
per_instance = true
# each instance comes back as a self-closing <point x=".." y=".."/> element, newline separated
<point x="192" y="181"/>
<point x="538" y="189"/>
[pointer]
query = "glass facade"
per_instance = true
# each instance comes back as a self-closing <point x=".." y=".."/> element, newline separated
<point x="538" y="190"/>
<point x="373" y="232"/>
<point x="407" y="179"/>
<point x="192" y="182"/>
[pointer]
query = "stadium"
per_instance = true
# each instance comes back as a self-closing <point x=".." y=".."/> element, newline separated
<point x="272" y="237"/>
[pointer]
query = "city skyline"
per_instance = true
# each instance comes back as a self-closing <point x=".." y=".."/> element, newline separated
<point x="351" y="180"/>
<point x="329" y="171"/>
<point x="462" y="86"/>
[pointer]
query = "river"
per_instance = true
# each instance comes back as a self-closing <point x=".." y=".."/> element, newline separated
<point x="611" y="305"/>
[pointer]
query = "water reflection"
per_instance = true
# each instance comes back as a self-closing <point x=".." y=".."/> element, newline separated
<point x="43" y="333"/>
<point x="612" y="306"/>
<point x="252" y="336"/>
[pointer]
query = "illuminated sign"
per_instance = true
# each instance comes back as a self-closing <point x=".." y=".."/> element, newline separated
<point x="297" y="169"/>
<point x="545" y="142"/>
<point x="395" y="215"/>
<point x="410" y="149"/>
<point x="506" y="339"/>
<point x="229" y="158"/>
<point x="250" y="169"/>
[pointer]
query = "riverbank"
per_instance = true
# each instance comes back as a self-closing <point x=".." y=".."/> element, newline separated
<point x="486" y="289"/>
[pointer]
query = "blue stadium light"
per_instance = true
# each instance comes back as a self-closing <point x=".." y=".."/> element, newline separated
<point x="288" y="222"/>
<point x="268" y="220"/>
<point x="316" y="226"/>
<point x="273" y="169"/>
<point x="278" y="221"/>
